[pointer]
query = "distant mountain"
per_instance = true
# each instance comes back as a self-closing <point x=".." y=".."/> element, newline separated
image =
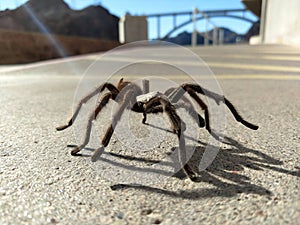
<point x="185" y="38"/>
<point x="58" y="18"/>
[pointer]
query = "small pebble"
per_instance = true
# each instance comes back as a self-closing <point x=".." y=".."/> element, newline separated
<point x="145" y="212"/>
<point x="120" y="215"/>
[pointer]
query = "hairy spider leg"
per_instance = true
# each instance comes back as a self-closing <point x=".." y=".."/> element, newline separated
<point x="178" y="127"/>
<point x="98" y="90"/>
<point x="103" y="102"/>
<point x="193" y="89"/>
<point x="219" y="98"/>
<point x="185" y="104"/>
<point x="128" y="100"/>
<point x="238" y="117"/>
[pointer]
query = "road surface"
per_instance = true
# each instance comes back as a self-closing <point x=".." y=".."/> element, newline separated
<point x="255" y="178"/>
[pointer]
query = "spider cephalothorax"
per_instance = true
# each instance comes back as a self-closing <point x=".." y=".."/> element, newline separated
<point x="129" y="95"/>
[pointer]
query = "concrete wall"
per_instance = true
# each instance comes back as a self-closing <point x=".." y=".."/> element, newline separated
<point x="282" y="24"/>
<point x="133" y="28"/>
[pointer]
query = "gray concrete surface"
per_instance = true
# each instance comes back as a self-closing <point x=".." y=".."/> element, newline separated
<point x="254" y="180"/>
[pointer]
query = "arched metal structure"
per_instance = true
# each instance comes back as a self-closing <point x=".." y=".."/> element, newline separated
<point x="230" y="13"/>
<point x="200" y="18"/>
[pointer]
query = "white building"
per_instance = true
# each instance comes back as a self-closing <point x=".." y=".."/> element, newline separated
<point x="280" y="21"/>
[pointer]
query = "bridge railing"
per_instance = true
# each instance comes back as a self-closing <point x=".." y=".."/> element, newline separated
<point x="232" y="13"/>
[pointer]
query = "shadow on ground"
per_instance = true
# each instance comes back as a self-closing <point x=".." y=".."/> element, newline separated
<point x="223" y="173"/>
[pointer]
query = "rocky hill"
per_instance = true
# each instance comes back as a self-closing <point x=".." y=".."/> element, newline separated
<point x="56" y="17"/>
<point x="25" y="47"/>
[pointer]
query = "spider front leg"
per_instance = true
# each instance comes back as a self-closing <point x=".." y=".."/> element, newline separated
<point x="178" y="127"/>
<point x="105" y="99"/>
<point x="185" y="103"/>
<point x="127" y="102"/>
<point x="203" y="106"/>
<point x="98" y="90"/>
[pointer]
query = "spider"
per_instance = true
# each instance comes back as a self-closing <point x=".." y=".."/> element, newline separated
<point x="131" y="96"/>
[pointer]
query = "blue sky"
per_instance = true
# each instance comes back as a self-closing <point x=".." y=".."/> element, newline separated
<point x="140" y="7"/>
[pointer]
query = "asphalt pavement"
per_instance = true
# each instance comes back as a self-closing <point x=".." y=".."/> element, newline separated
<point x="254" y="178"/>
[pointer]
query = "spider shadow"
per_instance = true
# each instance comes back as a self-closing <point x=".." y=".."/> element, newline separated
<point x="224" y="174"/>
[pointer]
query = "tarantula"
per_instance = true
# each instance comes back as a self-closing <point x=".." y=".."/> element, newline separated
<point x="129" y="95"/>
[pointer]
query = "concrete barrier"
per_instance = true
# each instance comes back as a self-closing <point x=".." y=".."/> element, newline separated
<point x="133" y="28"/>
